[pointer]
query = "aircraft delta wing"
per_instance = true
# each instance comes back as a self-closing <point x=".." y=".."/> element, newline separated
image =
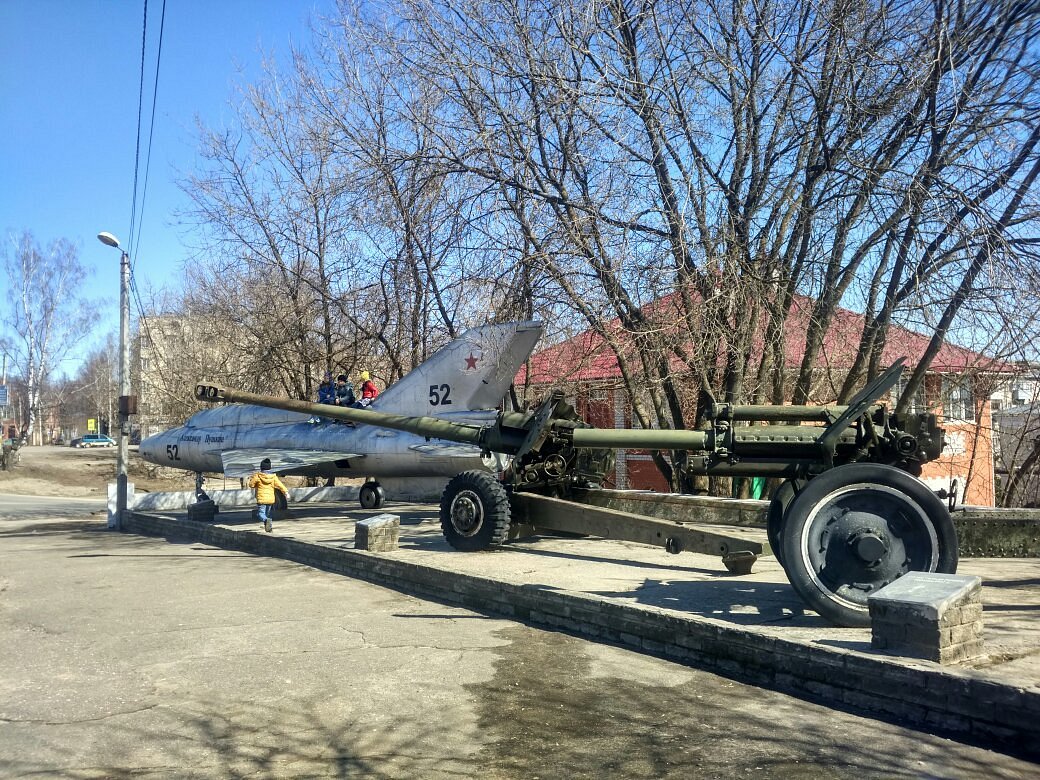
<point x="463" y="382"/>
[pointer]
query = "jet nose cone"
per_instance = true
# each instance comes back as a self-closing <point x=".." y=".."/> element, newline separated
<point x="151" y="447"/>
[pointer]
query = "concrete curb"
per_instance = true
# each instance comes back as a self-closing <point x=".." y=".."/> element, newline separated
<point x="964" y="704"/>
<point x="164" y="502"/>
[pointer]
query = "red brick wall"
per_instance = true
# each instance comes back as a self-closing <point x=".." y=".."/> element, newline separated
<point x="968" y="458"/>
<point x="644" y="475"/>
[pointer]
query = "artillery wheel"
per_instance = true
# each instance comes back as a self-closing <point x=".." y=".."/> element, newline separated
<point x="371" y="495"/>
<point x="855" y="529"/>
<point x="778" y="507"/>
<point x="475" y="511"/>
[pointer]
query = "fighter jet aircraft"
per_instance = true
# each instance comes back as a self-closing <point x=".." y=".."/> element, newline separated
<point x="463" y="381"/>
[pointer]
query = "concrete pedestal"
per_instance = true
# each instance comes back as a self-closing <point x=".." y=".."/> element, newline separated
<point x="937" y="617"/>
<point x="377" y="534"/>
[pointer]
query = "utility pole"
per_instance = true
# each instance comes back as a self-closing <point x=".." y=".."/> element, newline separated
<point x="4" y="401"/>
<point x="124" y="387"/>
<point x="126" y="403"/>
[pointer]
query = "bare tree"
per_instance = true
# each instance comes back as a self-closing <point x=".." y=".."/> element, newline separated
<point x="432" y="268"/>
<point x="98" y="381"/>
<point x="762" y="163"/>
<point x="327" y="234"/>
<point x="703" y="186"/>
<point x="275" y="260"/>
<point x="47" y="318"/>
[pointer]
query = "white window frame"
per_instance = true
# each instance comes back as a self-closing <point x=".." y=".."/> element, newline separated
<point x="958" y="399"/>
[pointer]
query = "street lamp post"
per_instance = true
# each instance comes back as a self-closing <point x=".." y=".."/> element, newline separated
<point x="124" y="377"/>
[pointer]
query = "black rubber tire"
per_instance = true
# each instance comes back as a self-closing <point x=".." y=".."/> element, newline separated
<point x="475" y="511"/>
<point x="371" y="495"/>
<point x="856" y="528"/>
<point x="778" y="506"/>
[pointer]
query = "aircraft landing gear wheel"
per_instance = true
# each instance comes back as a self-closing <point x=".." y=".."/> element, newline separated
<point x="475" y="511"/>
<point x="371" y="495"/>
<point x="855" y="529"/>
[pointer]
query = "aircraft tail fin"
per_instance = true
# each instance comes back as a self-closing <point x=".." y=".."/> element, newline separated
<point x="472" y="372"/>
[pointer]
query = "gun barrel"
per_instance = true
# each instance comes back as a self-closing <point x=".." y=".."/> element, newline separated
<point x="431" y="427"/>
<point x="790" y="441"/>
<point x="774" y="413"/>
<point x="508" y="436"/>
<point x="626" y="438"/>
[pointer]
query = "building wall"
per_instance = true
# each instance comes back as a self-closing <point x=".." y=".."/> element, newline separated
<point x="151" y="356"/>
<point x="967" y="456"/>
<point x="1017" y="389"/>
<point x="968" y="459"/>
<point x="643" y="474"/>
<point x="1016" y="432"/>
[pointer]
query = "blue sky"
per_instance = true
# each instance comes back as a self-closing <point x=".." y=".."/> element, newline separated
<point x="69" y="80"/>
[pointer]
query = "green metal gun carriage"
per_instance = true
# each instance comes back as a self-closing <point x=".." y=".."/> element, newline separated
<point x="850" y="514"/>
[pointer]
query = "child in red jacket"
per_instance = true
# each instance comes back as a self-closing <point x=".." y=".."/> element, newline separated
<point x="369" y="392"/>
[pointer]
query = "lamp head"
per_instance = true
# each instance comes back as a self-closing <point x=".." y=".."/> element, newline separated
<point x="108" y="239"/>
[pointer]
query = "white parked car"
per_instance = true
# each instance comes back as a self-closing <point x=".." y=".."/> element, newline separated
<point x="95" y="440"/>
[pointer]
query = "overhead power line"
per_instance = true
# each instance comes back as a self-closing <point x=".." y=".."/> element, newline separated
<point x="140" y="109"/>
<point x="137" y="205"/>
<point x="151" y="125"/>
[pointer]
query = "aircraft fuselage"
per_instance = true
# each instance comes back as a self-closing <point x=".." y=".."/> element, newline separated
<point x="362" y="451"/>
<point x="463" y="382"/>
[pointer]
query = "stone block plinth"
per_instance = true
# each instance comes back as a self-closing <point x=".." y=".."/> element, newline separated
<point x="933" y="616"/>
<point x="377" y="534"/>
<point x="202" y="511"/>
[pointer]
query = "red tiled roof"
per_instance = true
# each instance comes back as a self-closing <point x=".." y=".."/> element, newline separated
<point x="587" y="357"/>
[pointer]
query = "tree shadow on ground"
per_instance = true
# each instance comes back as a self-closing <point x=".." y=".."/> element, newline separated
<point x="558" y="709"/>
<point x="735" y="601"/>
<point x="237" y="738"/>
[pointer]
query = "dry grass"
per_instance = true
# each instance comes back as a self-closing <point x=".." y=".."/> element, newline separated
<point x="65" y="471"/>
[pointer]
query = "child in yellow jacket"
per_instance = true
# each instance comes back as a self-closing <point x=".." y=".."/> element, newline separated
<point x="265" y="483"/>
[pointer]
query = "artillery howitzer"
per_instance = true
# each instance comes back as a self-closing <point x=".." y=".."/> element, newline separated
<point x="850" y="514"/>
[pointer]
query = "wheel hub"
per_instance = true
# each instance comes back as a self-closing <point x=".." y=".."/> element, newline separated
<point x="870" y="547"/>
<point x="467" y="513"/>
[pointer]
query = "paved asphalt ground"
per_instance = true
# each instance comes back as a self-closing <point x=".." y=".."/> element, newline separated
<point x="131" y="656"/>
